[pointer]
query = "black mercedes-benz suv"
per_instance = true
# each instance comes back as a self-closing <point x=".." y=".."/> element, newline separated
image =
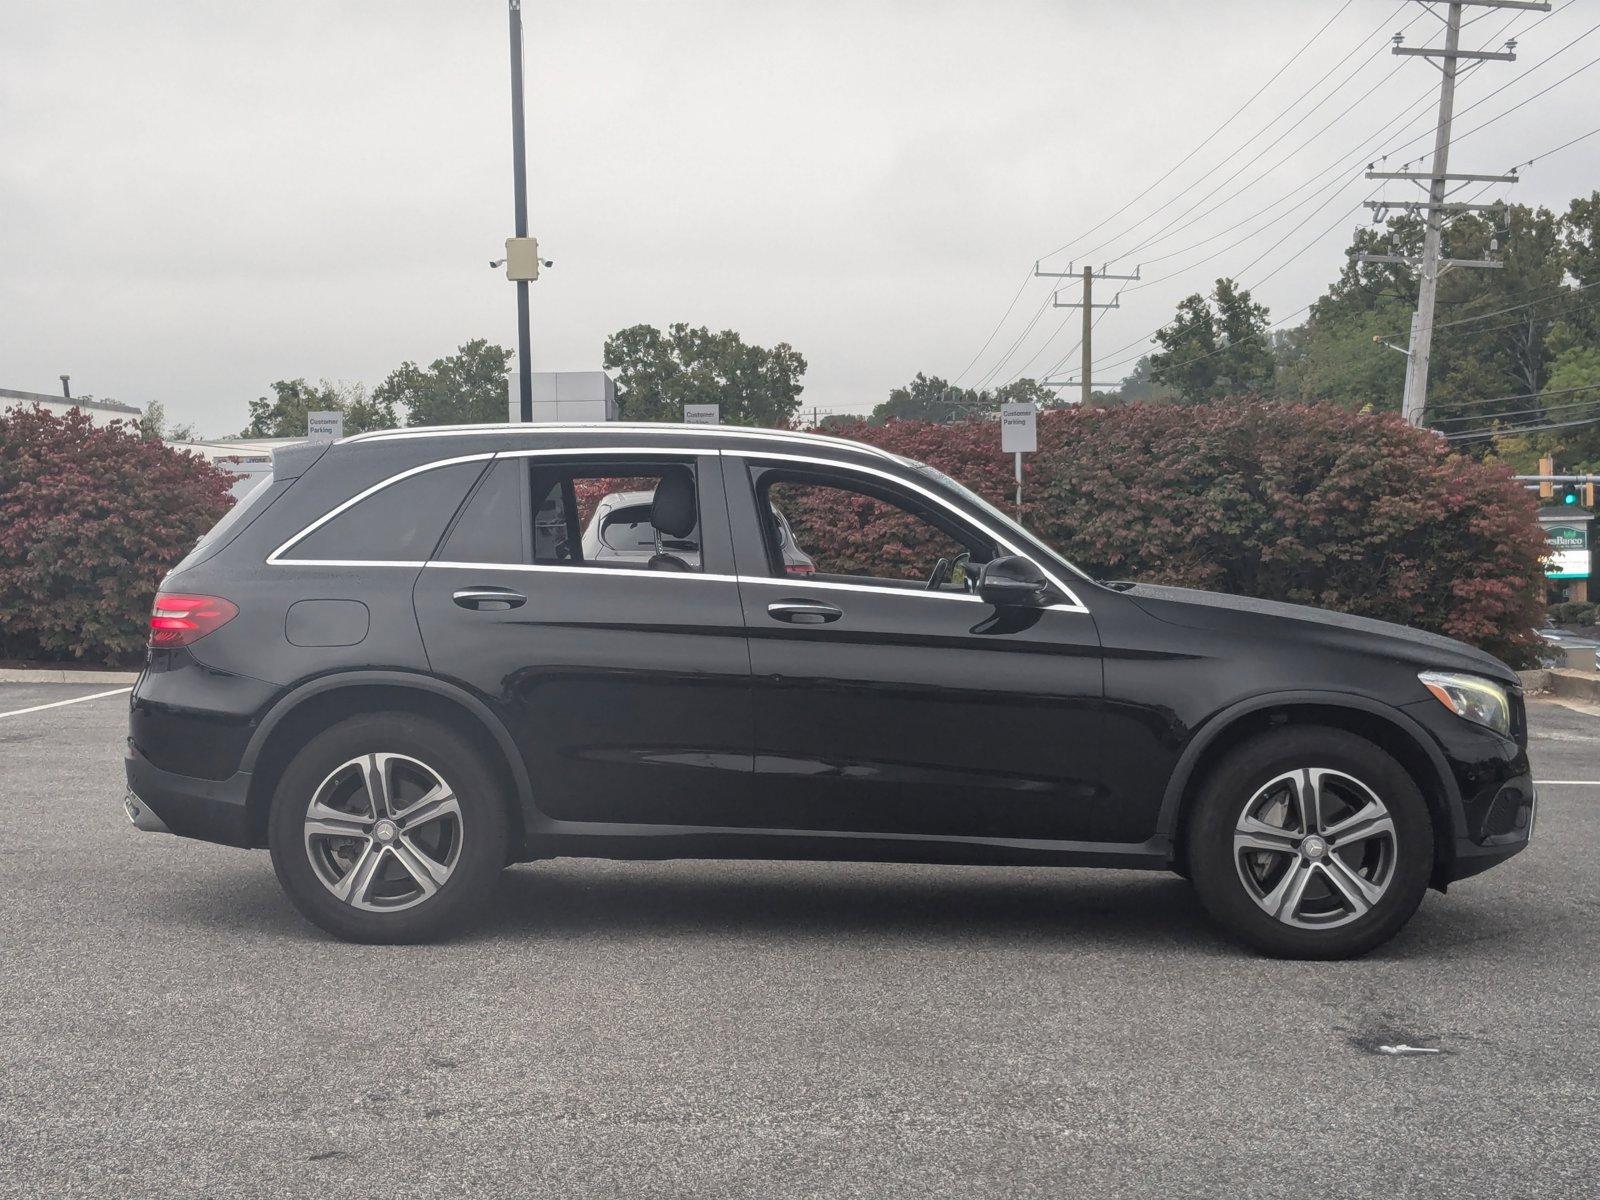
<point x="393" y="665"/>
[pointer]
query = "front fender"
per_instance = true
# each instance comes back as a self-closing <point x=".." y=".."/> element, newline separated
<point x="1218" y="725"/>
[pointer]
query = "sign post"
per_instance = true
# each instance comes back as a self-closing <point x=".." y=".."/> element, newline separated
<point x="702" y="414"/>
<point x="1019" y="435"/>
<point x="324" y="426"/>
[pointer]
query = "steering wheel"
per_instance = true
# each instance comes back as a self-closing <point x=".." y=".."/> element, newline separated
<point x="940" y="576"/>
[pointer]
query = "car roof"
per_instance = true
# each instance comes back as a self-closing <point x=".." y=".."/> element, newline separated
<point x="666" y="435"/>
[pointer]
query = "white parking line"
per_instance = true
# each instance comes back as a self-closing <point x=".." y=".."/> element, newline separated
<point x="57" y="704"/>
<point x="1567" y="782"/>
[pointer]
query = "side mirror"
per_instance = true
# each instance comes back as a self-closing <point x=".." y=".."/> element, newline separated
<point x="1012" y="581"/>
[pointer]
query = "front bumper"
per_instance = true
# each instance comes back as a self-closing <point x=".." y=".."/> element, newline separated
<point x="1506" y="829"/>
<point x="212" y="810"/>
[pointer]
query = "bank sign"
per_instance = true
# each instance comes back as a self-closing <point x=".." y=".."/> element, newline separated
<point x="1567" y="551"/>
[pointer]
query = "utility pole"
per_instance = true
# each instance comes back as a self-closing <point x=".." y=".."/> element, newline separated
<point x="519" y="192"/>
<point x="1088" y="276"/>
<point x="1439" y="181"/>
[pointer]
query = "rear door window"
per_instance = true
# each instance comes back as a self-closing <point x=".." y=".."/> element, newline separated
<point x="591" y="512"/>
<point x="399" y="523"/>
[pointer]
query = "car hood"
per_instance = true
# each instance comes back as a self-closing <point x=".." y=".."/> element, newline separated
<point x="1272" y="618"/>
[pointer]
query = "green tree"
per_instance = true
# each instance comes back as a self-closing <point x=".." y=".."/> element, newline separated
<point x="1138" y="387"/>
<point x="1573" y="394"/>
<point x="658" y="373"/>
<point x="930" y="398"/>
<point x="153" y="426"/>
<point x="1338" y="353"/>
<point x="285" y="413"/>
<point x="464" y="388"/>
<point x="1217" y="346"/>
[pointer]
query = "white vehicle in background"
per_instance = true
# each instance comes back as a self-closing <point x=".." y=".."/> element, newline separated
<point x="620" y="530"/>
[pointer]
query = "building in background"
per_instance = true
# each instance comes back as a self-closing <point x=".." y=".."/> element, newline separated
<point x="101" y="412"/>
<point x="566" y="396"/>
<point x="1569" y="563"/>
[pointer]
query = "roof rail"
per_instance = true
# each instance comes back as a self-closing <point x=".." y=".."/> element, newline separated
<point x="815" y="439"/>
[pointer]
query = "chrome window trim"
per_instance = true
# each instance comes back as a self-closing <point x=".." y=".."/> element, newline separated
<point x="793" y="581"/>
<point x="277" y="559"/>
<point x="1075" y="605"/>
<point x="576" y="568"/>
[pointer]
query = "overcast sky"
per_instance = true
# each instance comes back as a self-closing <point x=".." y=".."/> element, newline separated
<point x="199" y="198"/>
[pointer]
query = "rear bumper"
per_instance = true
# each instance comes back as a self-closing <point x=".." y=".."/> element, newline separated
<point x="212" y="810"/>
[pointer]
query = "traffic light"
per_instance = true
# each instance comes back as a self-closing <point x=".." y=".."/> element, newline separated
<point x="1574" y="495"/>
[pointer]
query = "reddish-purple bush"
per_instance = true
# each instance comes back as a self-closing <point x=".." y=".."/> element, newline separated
<point x="91" y="518"/>
<point x="1310" y="504"/>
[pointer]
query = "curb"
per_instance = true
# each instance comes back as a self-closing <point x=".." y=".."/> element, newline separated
<point x="1575" y="685"/>
<point x="1535" y="681"/>
<point x="46" y="675"/>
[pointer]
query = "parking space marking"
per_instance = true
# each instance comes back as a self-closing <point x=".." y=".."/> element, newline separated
<point x="1567" y="782"/>
<point x="58" y="703"/>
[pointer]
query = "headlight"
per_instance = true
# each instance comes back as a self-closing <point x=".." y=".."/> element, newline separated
<point x="1471" y="697"/>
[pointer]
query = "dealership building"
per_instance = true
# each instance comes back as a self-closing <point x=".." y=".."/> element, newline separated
<point x="101" y="412"/>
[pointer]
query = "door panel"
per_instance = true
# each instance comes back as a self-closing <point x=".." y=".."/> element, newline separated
<point x="925" y="715"/>
<point x="627" y="689"/>
<point x="912" y="712"/>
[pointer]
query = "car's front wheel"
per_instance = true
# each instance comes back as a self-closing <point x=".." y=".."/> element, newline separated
<point x="388" y="828"/>
<point x="1310" y="842"/>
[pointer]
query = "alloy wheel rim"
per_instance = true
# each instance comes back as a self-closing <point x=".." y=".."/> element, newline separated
<point x="1315" y="848"/>
<point x="383" y="832"/>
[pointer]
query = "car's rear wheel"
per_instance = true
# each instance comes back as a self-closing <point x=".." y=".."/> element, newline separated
<point x="1309" y="842"/>
<point x="388" y="828"/>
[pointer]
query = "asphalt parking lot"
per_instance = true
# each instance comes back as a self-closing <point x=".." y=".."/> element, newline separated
<point x="169" y="1026"/>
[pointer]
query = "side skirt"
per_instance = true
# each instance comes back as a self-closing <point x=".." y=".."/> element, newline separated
<point x="592" y="840"/>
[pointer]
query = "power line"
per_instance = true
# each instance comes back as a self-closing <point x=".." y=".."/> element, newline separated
<point x="1543" y="409"/>
<point x="1209" y="138"/>
<point x="1033" y="321"/>
<point x="1004" y="316"/>
<point x="1171" y="227"/>
<point x="1498" y="312"/>
<point x="1479" y="435"/>
<point x="1519" y="396"/>
<point x="1381" y="132"/>
<point x="1484" y="99"/>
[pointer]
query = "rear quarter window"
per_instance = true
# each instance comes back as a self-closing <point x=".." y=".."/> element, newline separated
<point x="398" y="523"/>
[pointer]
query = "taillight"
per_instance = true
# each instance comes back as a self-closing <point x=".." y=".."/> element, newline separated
<point x="179" y="619"/>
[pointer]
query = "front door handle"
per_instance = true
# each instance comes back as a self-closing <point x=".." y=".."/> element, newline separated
<point x="803" y="612"/>
<point x="490" y="599"/>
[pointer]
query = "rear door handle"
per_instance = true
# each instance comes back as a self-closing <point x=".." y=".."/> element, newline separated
<point x="803" y="612"/>
<point x="490" y="599"/>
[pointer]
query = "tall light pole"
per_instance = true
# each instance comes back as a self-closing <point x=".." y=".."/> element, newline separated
<point x="519" y="188"/>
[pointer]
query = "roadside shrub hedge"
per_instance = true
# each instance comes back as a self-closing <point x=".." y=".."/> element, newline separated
<point x="1311" y="504"/>
<point x="1574" y="612"/>
<point x="91" y="518"/>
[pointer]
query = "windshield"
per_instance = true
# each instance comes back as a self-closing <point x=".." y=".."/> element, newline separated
<point x="1007" y="524"/>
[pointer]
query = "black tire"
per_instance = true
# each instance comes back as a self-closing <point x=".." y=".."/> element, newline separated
<point x="1219" y="877"/>
<point x="477" y="834"/>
